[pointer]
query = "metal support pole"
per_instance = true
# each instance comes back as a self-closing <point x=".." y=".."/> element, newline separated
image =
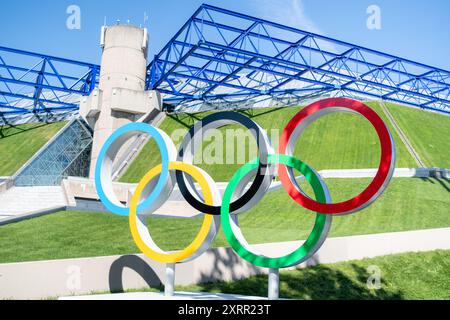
<point x="170" y="280"/>
<point x="274" y="284"/>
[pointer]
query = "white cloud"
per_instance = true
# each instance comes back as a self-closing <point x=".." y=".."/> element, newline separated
<point x="288" y="12"/>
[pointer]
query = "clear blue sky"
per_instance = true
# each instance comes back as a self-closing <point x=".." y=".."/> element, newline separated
<point x="417" y="30"/>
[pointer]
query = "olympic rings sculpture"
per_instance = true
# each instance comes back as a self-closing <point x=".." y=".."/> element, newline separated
<point x="155" y="187"/>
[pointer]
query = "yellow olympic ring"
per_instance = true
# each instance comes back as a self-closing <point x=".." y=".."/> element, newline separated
<point x="208" y="220"/>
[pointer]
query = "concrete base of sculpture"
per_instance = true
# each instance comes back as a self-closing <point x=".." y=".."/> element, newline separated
<point x="178" y="295"/>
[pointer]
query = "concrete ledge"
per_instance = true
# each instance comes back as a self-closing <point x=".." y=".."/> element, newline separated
<point x="6" y="183"/>
<point x="82" y="195"/>
<point x="369" y="173"/>
<point x="85" y="188"/>
<point x="75" y="187"/>
<point x="43" y="279"/>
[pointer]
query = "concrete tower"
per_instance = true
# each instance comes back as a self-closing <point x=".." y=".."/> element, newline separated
<point x="120" y="97"/>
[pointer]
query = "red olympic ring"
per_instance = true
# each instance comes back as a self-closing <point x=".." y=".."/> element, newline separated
<point x="385" y="168"/>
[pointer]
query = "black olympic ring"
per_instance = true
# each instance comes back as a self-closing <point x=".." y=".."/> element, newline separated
<point x="259" y="185"/>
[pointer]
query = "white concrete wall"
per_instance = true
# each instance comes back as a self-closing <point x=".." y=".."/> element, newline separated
<point x="43" y="279"/>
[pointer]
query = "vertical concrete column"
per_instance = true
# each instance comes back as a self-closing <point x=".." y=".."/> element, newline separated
<point x="122" y="80"/>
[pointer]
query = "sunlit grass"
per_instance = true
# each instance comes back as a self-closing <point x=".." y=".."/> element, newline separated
<point x="20" y="143"/>
<point x="408" y="204"/>
<point x="336" y="141"/>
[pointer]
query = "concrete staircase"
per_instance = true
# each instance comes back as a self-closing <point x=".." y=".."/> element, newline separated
<point x="19" y="201"/>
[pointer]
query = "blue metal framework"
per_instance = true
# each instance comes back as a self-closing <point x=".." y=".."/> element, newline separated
<point x="37" y="84"/>
<point x="222" y="59"/>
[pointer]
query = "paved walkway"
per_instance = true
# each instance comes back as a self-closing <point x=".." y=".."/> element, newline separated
<point x="178" y="295"/>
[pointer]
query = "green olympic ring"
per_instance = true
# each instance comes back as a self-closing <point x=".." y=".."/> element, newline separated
<point x="308" y="248"/>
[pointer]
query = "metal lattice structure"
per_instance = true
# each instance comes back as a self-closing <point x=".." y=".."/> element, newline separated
<point x="38" y="86"/>
<point x="224" y="59"/>
<point x="67" y="154"/>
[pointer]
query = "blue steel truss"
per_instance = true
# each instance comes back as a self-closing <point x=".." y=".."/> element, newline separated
<point x="32" y="83"/>
<point x="223" y="59"/>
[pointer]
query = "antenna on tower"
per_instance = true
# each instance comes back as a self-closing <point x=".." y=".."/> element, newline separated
<point x="145" y="18"/>
<point x="104" y="21"/>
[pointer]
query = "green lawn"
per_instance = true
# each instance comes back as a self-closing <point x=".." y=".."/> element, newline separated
<point x="411" y="276"/>
<point x="337" y="141"/>
<point x="428" y="133"/>
<point x="408" y="204"/>
<point x="406" y="276"/>
<point x="20" y="143"/>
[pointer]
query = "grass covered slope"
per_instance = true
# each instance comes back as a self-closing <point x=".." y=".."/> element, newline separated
<point x="427" y="131"/>
<point x="409" y="276"/>
<point x="19" y="143"/>
<point x="408" y="204"/>
<point x="337" y="141"/>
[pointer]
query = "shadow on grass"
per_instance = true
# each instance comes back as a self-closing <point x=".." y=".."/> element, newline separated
<point x="444" y="182"/>
<point x="5" y="130"/>
<point x="318" y="283"/>
<point x="251" y="113"/>
<point x="186" y="120"/>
